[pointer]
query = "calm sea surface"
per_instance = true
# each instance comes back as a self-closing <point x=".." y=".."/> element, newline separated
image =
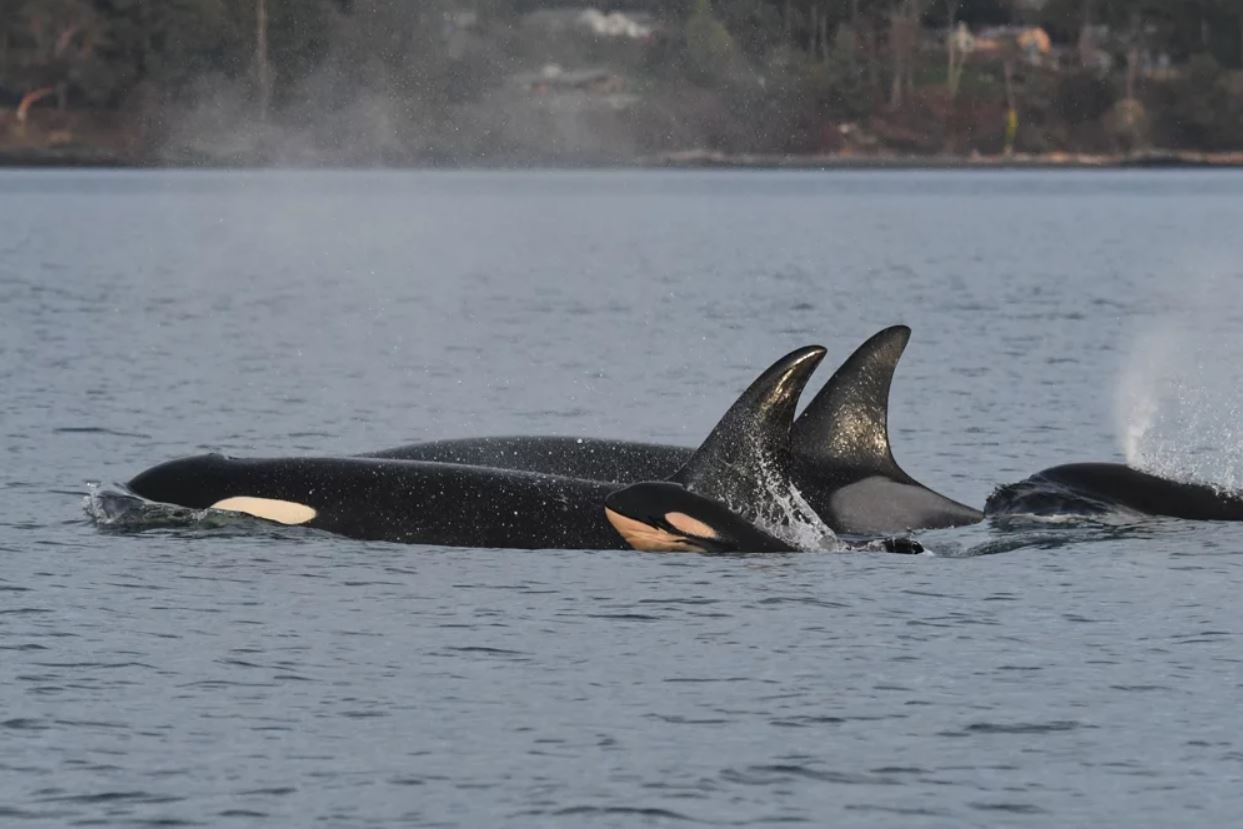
<point x="255" y="677"/>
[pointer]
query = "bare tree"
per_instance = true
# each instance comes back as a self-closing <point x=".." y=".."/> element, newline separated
<point x="957" y="46"/>
<point x="903" y="44"/>
<point x="1087" y="48"/>
<point x="854" y="36"/>
<point x="263" y="63"/>
<point x="1010" y="48"/>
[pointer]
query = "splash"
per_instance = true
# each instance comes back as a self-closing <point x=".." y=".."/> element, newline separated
<point x="117" y="509"/>
<point x="786" y="514"/>
<point x="1180" y="394"/>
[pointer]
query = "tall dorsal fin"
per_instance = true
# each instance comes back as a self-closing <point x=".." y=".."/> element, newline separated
<point x="756" y="429"/>
<point x="847" y="423"/>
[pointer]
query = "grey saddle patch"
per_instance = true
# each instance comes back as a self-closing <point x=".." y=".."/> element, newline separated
<point x="880" y="505"/>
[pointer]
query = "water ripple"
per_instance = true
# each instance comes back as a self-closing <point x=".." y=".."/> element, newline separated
<point x="228" y="672"/>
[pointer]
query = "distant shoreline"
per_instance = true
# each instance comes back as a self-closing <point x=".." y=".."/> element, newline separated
<point x="71" y="158"/>
<point x="893" y="161"/>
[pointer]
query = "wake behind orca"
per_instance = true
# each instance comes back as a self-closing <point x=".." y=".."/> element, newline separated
<point x="742" y="464"/>
<point x="1097" y="489"/>
<point x="839" y="454"/>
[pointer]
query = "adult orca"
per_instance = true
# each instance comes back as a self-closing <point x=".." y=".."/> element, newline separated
<point x="1103" y="488"/>
<point x="428" y="502"/>
<point x="416" y="502"/>
<point x="844" y="462"/>
<point x="840" y="454"/>
<point x="662" y="516"/>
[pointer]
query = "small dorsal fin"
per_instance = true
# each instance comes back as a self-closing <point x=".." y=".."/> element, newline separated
<point x="847" y="423"/>
<point x="756" y="429"/>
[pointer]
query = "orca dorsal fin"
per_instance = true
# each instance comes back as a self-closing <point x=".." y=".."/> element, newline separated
<point x="847" y="423"/>
<point x="756" y="429"/>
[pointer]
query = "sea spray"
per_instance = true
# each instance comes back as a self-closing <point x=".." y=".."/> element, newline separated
<point x="786" y="514"/>
<point x="1141" y="383"/>
<point x="1180" y="399"/>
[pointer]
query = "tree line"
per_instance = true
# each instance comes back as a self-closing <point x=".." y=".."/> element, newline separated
<point x="817" y="60"/>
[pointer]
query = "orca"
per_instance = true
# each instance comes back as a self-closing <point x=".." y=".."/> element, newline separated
<point x="429" y="502"/>
<point x="662" y="516"/>
<point x="840" y="457"/>
<point x="416" y="502"/>
<point x="1092" y="489"/>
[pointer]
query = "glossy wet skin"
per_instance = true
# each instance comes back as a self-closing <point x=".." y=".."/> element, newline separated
<point x="661" y="516"/>
<point x="653" y="536"/>
<point x="1093" y="488"/>
<point x="403" y="501"/>
<point x="422" y="502"/>
<point x="838" y="455"/>
<point x="666" y="517"/>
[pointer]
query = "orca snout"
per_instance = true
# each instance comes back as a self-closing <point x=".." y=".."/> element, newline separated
<point x="189" y="482"/>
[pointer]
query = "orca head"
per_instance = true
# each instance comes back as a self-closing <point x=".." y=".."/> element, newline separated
<point x="211" y="482"/>
<point x="744" y="464"/>
<point x="196" y="482"/>
<point x="661" y="516"/>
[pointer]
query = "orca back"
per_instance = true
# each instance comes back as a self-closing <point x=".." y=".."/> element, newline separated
<point x="1095" y="488"/>
<point x="597" y="459"/>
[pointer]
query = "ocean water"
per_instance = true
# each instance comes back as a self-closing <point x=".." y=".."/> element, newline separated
<point x="251" y="676"/>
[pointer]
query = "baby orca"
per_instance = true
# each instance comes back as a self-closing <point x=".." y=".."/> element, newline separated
<point x="661" y="516"/>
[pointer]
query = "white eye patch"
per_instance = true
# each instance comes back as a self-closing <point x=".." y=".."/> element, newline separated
<point x="270" y="509"/>
<point x="650" y="539"/>
<point x="690" y="525"/>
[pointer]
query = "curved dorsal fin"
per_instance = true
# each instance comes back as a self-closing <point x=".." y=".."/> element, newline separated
<point x="756" y="429"/>
<point x="847" y="423"/>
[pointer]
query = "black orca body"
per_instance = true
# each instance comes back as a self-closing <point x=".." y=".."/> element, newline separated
<point x="453" y="504"/>
<point x="663" y="516"/>
<point x="401" y="501"/>
<point x="1101" y="488"/>
<point x="839" y="455"/>
<point x="597" y="459"/>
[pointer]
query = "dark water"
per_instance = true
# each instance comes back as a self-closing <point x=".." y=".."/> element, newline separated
<point x="254" y="676"/>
